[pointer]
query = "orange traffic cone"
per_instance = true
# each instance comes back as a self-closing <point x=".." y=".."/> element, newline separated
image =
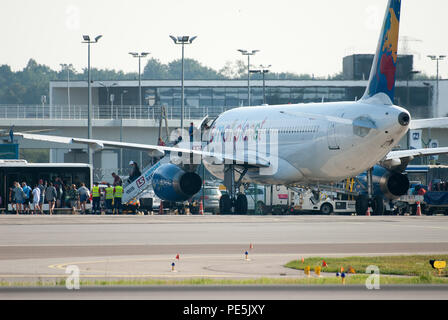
<point x="419" y="209"/>
<point x="161" y="207"/>
<point x="201" y="208"/>
<point x="368" y="212"/>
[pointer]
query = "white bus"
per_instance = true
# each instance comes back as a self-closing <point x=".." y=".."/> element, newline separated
<point x="31" y="173"/>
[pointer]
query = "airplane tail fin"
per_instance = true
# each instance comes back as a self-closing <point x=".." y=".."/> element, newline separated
<point x="382" y="74"/>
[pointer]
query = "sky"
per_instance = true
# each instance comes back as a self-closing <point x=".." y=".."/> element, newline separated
<point x="300" y="36"/>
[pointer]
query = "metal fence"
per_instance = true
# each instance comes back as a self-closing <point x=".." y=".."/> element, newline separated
<point x="79" y="112"/>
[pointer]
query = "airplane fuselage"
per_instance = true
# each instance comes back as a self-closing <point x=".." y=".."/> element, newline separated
<point x="317" y="143"/>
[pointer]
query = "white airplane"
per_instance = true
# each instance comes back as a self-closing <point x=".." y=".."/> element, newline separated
<point x="314" y="143"/>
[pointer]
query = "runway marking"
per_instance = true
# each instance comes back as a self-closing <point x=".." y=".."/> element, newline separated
<point x="62" y="266"/>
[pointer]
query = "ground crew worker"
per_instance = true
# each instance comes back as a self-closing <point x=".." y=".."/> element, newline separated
<point x="109" y="198"/>
<point x="118" y="194"/>
<point x="96" y="196"/>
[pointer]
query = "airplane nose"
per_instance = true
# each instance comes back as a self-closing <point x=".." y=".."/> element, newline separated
<point x="404" y="119"/>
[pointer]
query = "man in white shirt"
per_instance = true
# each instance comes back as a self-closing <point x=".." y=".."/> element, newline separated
<point x="36" y="199"/>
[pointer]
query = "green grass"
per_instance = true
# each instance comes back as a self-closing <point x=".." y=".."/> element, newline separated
<point x="350" y="280"/>
<point x="413" y="265"/>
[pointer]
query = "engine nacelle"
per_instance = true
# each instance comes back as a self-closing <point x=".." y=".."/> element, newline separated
<point x="394" y="184"/>
<point x="386" y="183"/>
<point x="391" y="184"/>
<point x="171" y="183"/>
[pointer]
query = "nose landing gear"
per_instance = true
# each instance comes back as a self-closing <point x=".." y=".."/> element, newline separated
<point x="234" y="199"/>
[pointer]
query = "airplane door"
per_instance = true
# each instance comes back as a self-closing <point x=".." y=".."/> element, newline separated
<point x="333" y="143"/>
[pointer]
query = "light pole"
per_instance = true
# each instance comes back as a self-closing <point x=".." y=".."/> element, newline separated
<point x="437" y="58"/>
<point x="67" y="67"/>
<point x="248" y="54"/>
<point x="121" y="130"/>
<point x="109" y="100"/>
<point x="263" y="70"/>
<point x="183" y="40"/>
<point x="89" y="96"/>
<point x="139" y="56"/>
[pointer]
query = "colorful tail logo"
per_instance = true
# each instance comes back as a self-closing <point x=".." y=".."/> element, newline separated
<point x="382" y="75"/>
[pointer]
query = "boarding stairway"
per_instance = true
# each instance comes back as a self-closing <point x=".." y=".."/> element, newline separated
<point x="143" y="182"/>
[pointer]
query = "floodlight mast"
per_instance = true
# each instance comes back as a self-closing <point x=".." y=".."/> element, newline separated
<point x="437" y="59"/>
<point x="248" y="54"/>
<point x="182" y="40"/>
<point x="87" y="40"/>
<point x="139" y="56"/>
<point x="263" y="70"/>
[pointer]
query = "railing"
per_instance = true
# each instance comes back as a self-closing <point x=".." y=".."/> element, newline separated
<point x="79" y="112"/>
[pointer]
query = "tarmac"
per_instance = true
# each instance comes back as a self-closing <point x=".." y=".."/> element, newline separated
<point x="40" y="248"/>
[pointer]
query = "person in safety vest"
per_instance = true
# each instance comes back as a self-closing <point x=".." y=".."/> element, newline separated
<point x="118" y="194"/>
<point x="96" y="196"/>
<point x="109" y="198"/>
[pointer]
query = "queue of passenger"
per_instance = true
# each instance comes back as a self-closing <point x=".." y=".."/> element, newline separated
<point x="58" y="195"/>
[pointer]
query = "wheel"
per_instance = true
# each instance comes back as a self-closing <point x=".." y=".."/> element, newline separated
<point x="378" y="206"/>
<point x="326" y="208"/>
<point x="225" y="204"/>
<point x="362" y="203"/>
<point x="241" y="204"/>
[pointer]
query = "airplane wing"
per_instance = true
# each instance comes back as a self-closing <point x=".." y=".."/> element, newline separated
<point x="416" y="153"/>
<point x="153" y="150"/>
<point x="429" y="123"/>
<point x="400" y="159"/>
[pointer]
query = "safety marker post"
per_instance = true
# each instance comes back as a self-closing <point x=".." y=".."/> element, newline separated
<point x="303" y="260"/>
<point x="251" y="246"/>
<point x="307" y="270"/>
<point x="201" y="208"/>
<point x="419" y="209"/>
<point x="351" y="270"/>
<point x="247" y="255"/>
<point x="317" y="271"/>
<point x="178" y="257"/>
<point x="324" y="264"/>
<point x="343" y="277"/>
<point x="172" y="267"/>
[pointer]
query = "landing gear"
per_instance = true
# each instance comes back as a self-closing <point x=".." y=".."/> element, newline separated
<point x="241" y="204"/>
<point x="362" y="204"/>
<point x="225" y="205"/>
<point x="234" y="199"/>
<point x="377" y="205"/>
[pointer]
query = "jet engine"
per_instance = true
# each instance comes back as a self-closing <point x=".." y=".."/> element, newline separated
<point x="172" y="183"/>
<point x="393" y="184"/>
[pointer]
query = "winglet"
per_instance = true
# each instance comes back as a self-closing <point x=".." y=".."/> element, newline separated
<point x="382" y="74"/>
